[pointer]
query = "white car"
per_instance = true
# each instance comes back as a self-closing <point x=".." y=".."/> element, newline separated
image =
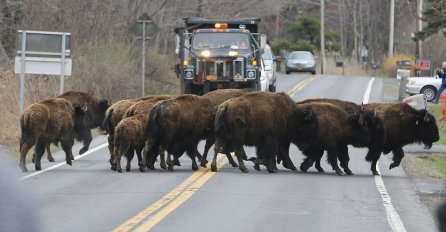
<point x="424" y="85"/>
<point x="270" y="67"/>
<point x="264" y="80"/>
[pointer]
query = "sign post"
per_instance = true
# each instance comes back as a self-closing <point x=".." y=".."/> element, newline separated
<point x="145" y="20"/>
<point x="42" y="52"/>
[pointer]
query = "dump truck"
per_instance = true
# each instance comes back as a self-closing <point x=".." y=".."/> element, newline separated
<point x="219" y="54"/>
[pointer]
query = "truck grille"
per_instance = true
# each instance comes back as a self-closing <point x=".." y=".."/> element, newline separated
<point x="222" y="69"/>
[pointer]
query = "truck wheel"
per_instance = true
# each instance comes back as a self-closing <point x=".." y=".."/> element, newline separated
<point x="272" y="88"/>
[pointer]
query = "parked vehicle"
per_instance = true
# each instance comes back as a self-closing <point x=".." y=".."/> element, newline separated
<point x="424" y="85"/>
<point x="270" y="67"/>
<point x="264" y="78"/>
<point x="300" y="61"/>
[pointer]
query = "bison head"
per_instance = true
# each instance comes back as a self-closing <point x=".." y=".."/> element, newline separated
<point x="427" y="127"/>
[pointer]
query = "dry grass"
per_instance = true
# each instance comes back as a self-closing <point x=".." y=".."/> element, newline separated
<point x="110" y="70"/>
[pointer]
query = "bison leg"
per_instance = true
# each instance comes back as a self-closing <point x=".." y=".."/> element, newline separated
<point x="284" y="154"/>
<point x="373" y="156"/>
<point x="332" y="159"/>
<point x="162" y="159"/>
<point x="24" y="148"/>
<point x="344" y="159"/>
<point x="39" y="150"/>
<point x="214" y="160"/>
<point x="306" y="164"/>
<point x="66" y="146"/>
<point x="48" y="152"/>
<point x="239" y="153"/>
<point x="110" y="149"/>
<point x="207" y="146"/>
<point x="86" y="137"/>
<point x="192" y="154"/>
<point x="230" y="159"/>
<point x="398" y="155"/>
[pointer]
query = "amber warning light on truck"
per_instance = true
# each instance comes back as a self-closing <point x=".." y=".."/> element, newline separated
<point x="221" y="25"/>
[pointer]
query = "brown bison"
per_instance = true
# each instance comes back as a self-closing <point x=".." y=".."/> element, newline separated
<point x="177" y="125"/>
<point x="268" y="121"/>
<point x="129" y="133"/>
<point x="93" y="118"/>
<point x="50" y="121"/>
<point x="337" y="129"/>
<point x="403" y="125"/>
<point x="372" y="120"/>
<point x="113" y="116"/>
<point x="217" y="97"/>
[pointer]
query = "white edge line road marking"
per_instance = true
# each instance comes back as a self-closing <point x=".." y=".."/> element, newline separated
<point x="392" y="216"/>
<point x="64" y="162"/>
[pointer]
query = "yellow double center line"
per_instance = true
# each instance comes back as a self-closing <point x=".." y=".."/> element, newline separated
<point x="157" y="211"/>
<point x="170" y="201"/>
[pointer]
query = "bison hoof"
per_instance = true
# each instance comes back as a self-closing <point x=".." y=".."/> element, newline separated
<point x="120" y="170"/>
<point x="151" y="167"/>
<point x="194" y="167"/>
<point x="293" y="169"/>
<point x="256" y="167"/>
<point x="51" y="159"/>
<point x="177" y="163"/>
<point x="320" y="170"/>
<point x="127" y="169"/>
<point x="304" y="168"/>
<point x="234" y="165"/>
<point x="203" y="165"/>
<point x="170" y="168"/>
<point x="23" y="168"/>
<point x="348" y="172"/>
<point x="376" y="173"/>
<point x="272" y="170"/>
<point x="141" y="169"/>
<point x="83" y="150"/>
<point x="393" y="165"/>
<point x="69" y="162"/>
<point x="38" y="168"/>
<point x="163" y="166"/>
<point x="243" y="169"/>
<point x="213" y="168"/>
<point x="339" y="172"/>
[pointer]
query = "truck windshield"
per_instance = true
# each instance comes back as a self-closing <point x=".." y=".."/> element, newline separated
<point x="220" y="40"/>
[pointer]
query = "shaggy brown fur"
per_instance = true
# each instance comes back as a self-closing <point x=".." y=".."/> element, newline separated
<point x="403" y="125"/>
<point x="337" y="129"/>
<point x="217" y="97"/>
<point x="129" y="133"/>
<point x="52" y="120"/>
<point x="268" y="121"/>
<point x="178" y="125"/>
<point x="372" y="120"/>
<point x="93" y="117"/>
<point x="113" y="116"/>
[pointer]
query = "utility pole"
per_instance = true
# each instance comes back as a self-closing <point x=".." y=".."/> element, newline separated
<point x="322" y="38"/>
<point x="419" y="28"/>
<point x="341" y="23"/>
<point x="391" y="26"/>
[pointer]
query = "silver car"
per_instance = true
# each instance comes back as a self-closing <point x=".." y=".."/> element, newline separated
<point x="300" y="61"/>
<point x="270" y="67"/>
<point x="424" y="85"/>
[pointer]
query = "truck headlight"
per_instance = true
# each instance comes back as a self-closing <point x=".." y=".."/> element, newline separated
<point x="189" y="74"/>
<point x="233" y="53"/>
<point x="205" y="53"/>
<point x="251" y="74"/>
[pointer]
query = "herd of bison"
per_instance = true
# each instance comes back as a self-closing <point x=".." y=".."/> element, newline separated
<point x="229" y="119"/>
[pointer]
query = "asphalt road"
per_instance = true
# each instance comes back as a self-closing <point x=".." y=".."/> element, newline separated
<point x="88" y="196"/>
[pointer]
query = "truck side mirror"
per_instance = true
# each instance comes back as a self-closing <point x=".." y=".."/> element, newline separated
<point x="262" y="41"/>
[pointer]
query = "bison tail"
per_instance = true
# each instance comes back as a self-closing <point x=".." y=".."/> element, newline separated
<point x="153" y="125"/>
<point x="221" y="128"/>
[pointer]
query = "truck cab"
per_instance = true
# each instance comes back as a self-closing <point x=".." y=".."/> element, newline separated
<point x="219" y="54"/>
